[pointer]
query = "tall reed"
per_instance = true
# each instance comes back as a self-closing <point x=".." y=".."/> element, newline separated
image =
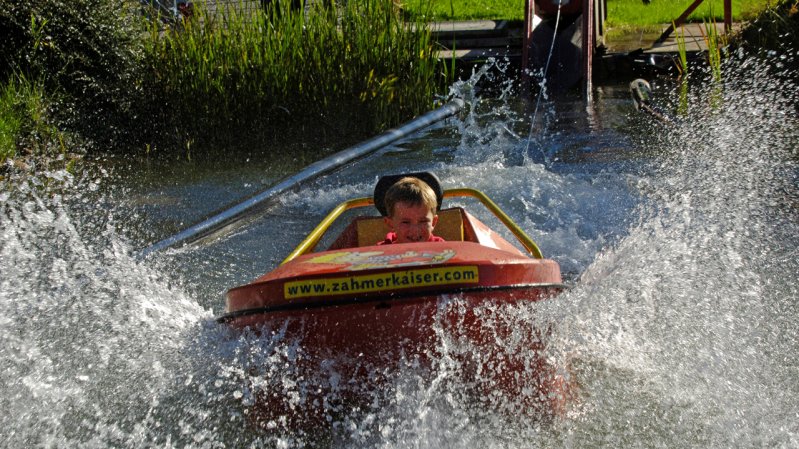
<point x="682" y="53"/>
<point x="714" y="43"/>
<point x="682" y="68"/>
<point x="330" y="73"/>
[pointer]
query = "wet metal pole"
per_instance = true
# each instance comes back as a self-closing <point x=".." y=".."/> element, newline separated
<point x="529" y="15"/>
<point x="587" y="61"/>
<point x="230" y="216"/>
<point x="727" y="16"/>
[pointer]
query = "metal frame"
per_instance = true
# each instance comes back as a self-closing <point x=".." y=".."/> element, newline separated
<point x="594" y="13"/>
<point x="226" y="220"/>
<point x="310" y="242"/>
<point x="680" y="20"/>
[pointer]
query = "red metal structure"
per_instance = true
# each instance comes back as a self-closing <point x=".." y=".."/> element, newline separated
<point x="553" y="24"/>
<point x="691" y="8"/>
<point x="585" y="17"/>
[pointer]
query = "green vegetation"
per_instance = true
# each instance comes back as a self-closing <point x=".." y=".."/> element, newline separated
<point x="277" y="77"/>
<point x="714" y="42"/>
<point x="25" y="124"/>
<point x="241" y="77"/>
<point x="443" y="10"/>
<point x="63" y="66"/>
<point x="776" y="28"/>
<point x="10" y="122"/>
<point x="621" y="13"/>
<point x="634" y="16"/>
<point x="626" y="13"/>
<point x="85" y="51"/>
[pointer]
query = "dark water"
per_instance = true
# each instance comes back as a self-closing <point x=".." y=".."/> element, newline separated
<point x="680" y="243"/>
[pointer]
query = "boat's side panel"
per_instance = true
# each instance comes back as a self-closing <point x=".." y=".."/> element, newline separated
<point x="385" y="320"/>
<point x="480" y="233"/>
<point x="361" y="273"/>
<point x="362" y="340"/>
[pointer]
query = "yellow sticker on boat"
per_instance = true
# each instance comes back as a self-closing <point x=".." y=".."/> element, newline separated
<point x="396" y="280"/>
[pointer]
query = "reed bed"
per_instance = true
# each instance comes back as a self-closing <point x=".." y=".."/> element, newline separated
<point x="683" y="69"/>
<point x="279" y="73"/>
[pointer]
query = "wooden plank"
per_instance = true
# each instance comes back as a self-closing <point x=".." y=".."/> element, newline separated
<point x="694" y="38"/>
<point x="679" y="21"/>
<point x="483" y="42"/>
<point x="727" y="15"/>
<point x="470" y="54"/>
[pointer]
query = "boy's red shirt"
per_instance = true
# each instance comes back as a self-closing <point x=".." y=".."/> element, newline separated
<point x="391" y="237"/>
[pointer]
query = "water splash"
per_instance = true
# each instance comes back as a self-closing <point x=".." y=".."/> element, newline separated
<point x="90" y="339"/>
<point x="679" y="332"/>
<point x="681" y="328"/>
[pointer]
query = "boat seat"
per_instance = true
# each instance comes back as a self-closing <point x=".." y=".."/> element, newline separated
<point x="371" y="230"/>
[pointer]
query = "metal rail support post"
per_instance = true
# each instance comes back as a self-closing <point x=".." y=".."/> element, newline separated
<point x="588" y="47"/>
<point x="529" y="14"/>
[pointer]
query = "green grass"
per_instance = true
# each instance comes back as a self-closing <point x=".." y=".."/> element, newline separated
<point x="84" y="56"/>
<point x="10" y="122"/>
<point x="626" y="13"/>
<point x="620" y="12"/>
<point x="26" y="128"/>
<point x="442" y="10"/>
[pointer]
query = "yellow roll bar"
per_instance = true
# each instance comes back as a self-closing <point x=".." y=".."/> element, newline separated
<point x="313" y="238"/>
<point x="520" y="235"/>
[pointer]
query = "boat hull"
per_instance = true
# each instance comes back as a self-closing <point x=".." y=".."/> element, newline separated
<point x="383" y="323"/>
<point x="362" y="316"/>
<point x="364" y="345"/>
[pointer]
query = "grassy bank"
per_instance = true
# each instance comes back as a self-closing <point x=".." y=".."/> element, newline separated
<point x="27" y="129"/>
<point x="65" y="68"/>
<point x="442" y="10"/>
<point x="621" y="13"/>
<point x="626" y="13"/>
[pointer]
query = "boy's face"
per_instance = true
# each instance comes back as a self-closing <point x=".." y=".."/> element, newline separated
<point x="411" y="222"/>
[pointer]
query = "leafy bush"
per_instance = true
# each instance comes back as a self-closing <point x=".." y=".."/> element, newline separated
<point x="86" y="51"/>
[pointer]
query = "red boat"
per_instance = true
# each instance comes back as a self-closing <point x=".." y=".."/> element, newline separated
<point x="370" y="306"/>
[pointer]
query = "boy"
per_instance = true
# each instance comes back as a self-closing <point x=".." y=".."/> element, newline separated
<point x="411" y="205"/>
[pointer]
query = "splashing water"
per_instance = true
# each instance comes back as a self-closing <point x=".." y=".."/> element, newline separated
<point x="679" y="330"/>
<point x="683" y="330"/>
<point x="90" y="339"/>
